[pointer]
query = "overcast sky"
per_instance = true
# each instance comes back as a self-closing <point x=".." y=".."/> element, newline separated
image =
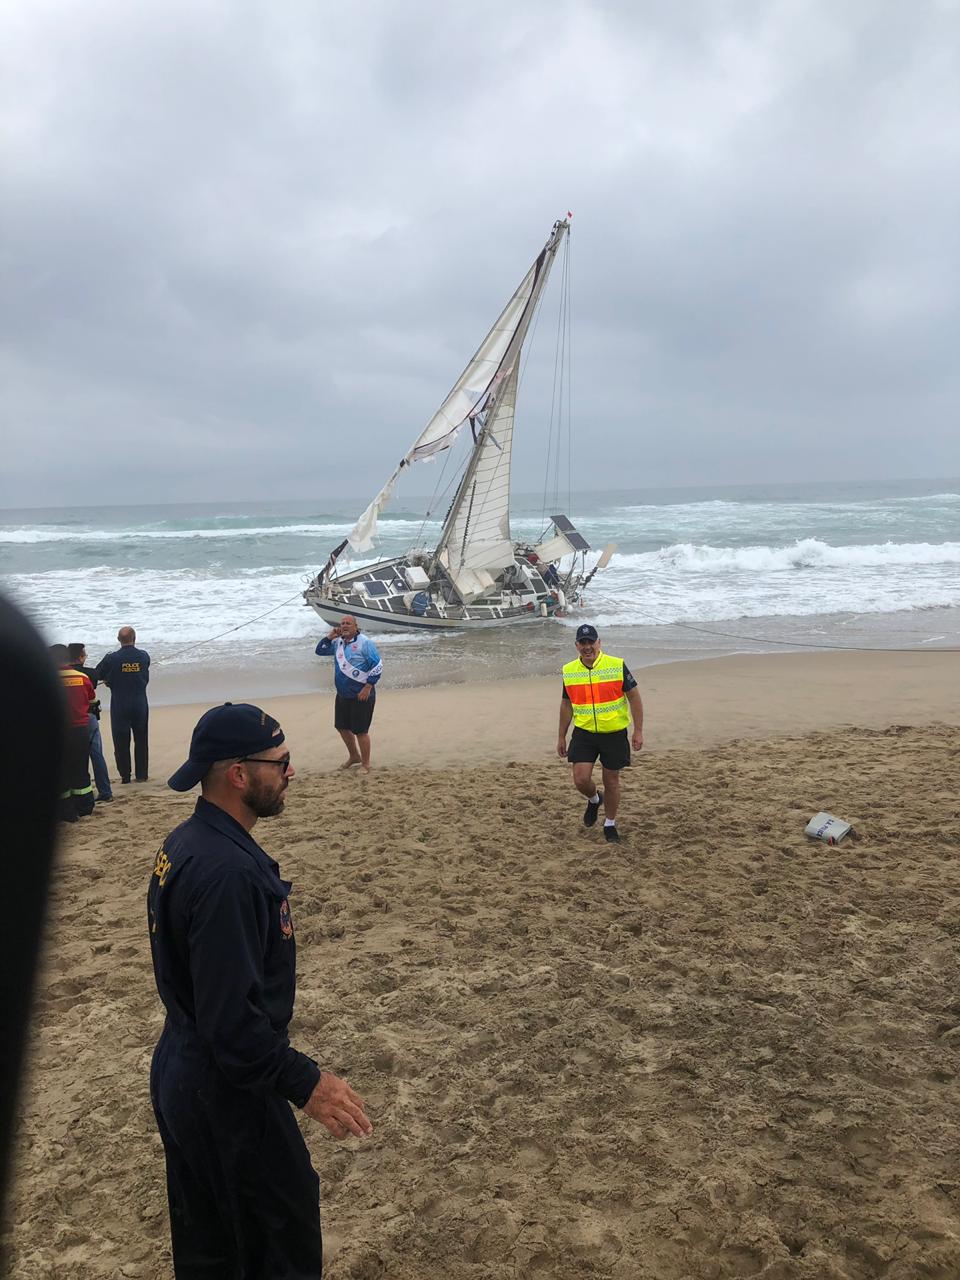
<point x="247" y="245"/>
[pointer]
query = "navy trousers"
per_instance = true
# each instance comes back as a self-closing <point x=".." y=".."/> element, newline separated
<point x="97" y="763"/>
<point x="125" y="720"/>
<point x="244" y="1198"/>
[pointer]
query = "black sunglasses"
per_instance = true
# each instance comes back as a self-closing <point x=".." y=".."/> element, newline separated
<point x="284" y="761"/>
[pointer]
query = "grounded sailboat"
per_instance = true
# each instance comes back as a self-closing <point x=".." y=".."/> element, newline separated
<point x="476" y="575"/>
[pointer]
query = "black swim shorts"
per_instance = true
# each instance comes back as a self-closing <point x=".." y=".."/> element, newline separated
<point x="352" y="714"/>
<point x="612" y="748"/>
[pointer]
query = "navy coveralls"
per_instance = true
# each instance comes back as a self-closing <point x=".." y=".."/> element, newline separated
<point x="126" y="673"/>
<point x="244" y="1197"/>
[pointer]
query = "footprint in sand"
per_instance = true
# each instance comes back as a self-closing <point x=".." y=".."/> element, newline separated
<point x="863" y="1142"/>
<point x="534" y="1155"/>
<point x="452" y="1137"/>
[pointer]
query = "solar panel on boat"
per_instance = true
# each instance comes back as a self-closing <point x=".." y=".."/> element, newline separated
<point x="576" y="540"/>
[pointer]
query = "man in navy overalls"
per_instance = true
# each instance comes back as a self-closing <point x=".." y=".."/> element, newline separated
<point x="244" y="1198"/>
<point x="126" y="673"/>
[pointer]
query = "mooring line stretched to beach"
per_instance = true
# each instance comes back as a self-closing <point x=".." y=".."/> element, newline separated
<point x="168" y="657"/>
<point x="795" y="644"/>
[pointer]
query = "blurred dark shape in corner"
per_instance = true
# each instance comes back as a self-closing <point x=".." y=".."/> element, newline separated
<point x="31" y="764"/>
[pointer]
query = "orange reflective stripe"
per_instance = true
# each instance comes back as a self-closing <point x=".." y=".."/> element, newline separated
<point x="596" y="694"/>
<point x="608" y="691"/>
<point x="579" y="694"/>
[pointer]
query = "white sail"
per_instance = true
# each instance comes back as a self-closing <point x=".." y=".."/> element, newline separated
<point x="363" y="532"/>
<point x="472" y="388"/>
<point x="476" y="533"/>
<point x="474" y="383"/>
<point x="479" y="535"/>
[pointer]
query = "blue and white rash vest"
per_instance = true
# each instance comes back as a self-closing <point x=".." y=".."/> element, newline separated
<point x="357" y="663"/>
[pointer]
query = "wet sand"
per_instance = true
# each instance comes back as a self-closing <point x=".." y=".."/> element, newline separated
<point x="687" y="704"/>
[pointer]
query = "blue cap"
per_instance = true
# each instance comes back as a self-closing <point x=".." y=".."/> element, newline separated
<point x="587" y="632"/>
<point x="226" y="733"/>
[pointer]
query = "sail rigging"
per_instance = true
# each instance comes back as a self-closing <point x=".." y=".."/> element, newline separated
<point x="475" y="396"/>
<point x="476" y="574"/>
<point x="477" y="530"/>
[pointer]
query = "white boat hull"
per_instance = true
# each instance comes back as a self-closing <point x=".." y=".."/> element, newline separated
<point x="379" y="597"/>
<point x="373" y="621"/>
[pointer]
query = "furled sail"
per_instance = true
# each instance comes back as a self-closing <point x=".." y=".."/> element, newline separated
<point x="477" y="386"/>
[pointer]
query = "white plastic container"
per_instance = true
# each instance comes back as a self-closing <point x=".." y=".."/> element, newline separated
<point x="825" y="827"/>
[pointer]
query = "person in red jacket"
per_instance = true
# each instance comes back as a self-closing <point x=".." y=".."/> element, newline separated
<point x="76" y="798"/>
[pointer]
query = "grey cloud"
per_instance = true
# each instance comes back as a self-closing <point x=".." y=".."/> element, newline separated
<point x="248" y="247"/>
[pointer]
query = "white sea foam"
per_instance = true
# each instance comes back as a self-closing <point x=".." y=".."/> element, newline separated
<point x="179" y="608"/>
<point x="683" y="582"/>
<point x="691" y="583"/>
<point x="698" y="563"/>
<point x="804" y="554"/>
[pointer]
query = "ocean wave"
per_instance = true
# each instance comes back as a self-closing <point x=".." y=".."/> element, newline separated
<point x="24" y="537"/>
<point x="714" y="506"/>
<point x="805" y="553"/>
<point x="659" y="509"/>
<point x="930" y="497"/>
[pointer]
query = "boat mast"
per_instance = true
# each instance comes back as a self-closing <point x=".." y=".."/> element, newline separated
<point x="509" y="367"/>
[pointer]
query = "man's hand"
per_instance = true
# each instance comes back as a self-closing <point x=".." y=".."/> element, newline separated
<point x="337" y="1107"/>
<point x="334" y="633"/>
<point x="562" y="746"/>
<point x="637" y="739"/>
<point x="365" y="693"/>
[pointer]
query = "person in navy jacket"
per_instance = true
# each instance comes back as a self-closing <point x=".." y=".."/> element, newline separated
<point x="126" y="673"/>
<point x="358" y="668"/>
<point x="243" y="1196"/>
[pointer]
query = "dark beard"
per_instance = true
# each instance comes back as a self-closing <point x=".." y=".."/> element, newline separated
<point x="261" y="799"/>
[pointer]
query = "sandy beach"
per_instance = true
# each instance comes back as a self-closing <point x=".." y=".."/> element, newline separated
<point x="717" y="1050"/>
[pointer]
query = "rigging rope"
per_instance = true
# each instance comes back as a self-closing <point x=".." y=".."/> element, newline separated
<point x="564" y="327"/>
<point x="555" y="414"/>
<point x="686" y="626"/>
<point x="437" y="495"/>
<point x="793" y="644"/>
<point x="168" y="657"/>
<point x="570" y="362"/>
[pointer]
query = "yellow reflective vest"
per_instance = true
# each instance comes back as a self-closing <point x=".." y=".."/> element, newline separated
<point x="596" y="694"/>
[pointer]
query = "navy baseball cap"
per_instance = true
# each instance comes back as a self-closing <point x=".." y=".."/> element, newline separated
<point x="587" y="632"/>
<point x="226" y="733"/>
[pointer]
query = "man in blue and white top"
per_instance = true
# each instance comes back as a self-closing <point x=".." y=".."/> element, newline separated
<point x="357" y="671"/>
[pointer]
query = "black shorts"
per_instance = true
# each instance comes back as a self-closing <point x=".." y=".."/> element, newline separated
<point x="612" y="748"/>
<point x="353" y="715"/>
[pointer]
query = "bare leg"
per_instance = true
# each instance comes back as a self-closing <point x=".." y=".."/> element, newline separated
<point x="350" y="742"/>
<point x="363" y="742"/>
<point x="583" y="779"/>
<point x="611" y="792"/>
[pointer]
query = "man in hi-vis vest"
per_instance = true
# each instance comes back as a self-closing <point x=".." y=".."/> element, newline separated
<point x="599" y="696"/>
<point x="358" y="668"/>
